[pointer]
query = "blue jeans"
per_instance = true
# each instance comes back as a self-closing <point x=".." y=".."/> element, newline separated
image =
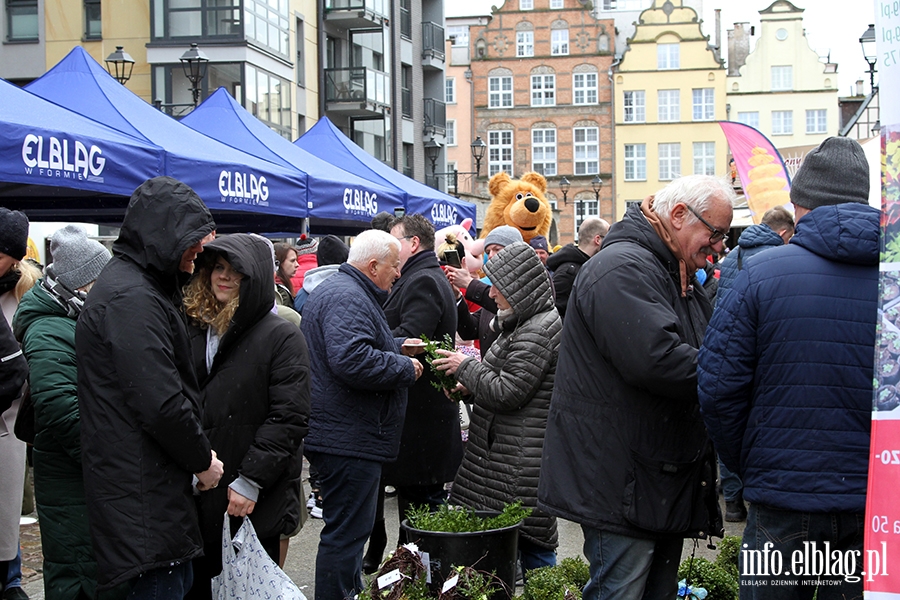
<point x="732" y="486"/>
<point x="627" y="568"/>
<point x="11" y="572"/>
<point x="533" y="556"/>
<point x="164" y="583"/>
<point x="349" y="496"/>
<point x="786" y="531"/>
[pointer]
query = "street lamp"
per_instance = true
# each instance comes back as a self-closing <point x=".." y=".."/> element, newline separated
<point x="194" y="62"/>
<point x="596" y="184"/>
<point x="478" y="148"/>
<point x="120" y="62"/>
<point x="564" y="188"/>
<point x="432" y="150"/>
<point x="867" y="41"/>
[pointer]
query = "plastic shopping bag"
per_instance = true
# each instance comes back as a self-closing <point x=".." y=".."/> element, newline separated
<point x="248" y="571"/>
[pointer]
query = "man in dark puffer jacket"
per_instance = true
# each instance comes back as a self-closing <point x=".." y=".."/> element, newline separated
<point x="566" y="262"/>
<point x="785" y="372"/>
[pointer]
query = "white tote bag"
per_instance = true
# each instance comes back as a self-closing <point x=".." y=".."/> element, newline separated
<point x="248" y="571"/>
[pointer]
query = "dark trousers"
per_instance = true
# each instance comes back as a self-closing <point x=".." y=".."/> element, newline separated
<point x="787" y="531"/>
<point x="165" y="583"/>
<point x="349" y="495"/>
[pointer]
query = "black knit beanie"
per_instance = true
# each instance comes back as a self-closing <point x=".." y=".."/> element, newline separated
<point x="833" y="173"/>
<point x="13" y="233"/>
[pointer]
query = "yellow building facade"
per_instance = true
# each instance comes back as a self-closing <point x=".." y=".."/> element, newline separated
<point x="784" y="89"/>
<point x="669" y="93"/>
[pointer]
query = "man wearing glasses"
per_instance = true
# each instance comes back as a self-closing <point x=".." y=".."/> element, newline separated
<point x="785" y="377"/>
<point x="626" y="453"/>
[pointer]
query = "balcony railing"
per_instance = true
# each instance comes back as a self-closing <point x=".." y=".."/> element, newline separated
<point x="378" y="7"/>
<point x="435" y="115"/>
<point x="432" y="39"/>
<point x="357" y="84"/>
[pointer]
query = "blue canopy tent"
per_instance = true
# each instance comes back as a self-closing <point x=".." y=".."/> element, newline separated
<point x="324" y="139"/>
<point x="243" y="192"/>
<point x="338" y="202"/>
<point x="59" y="165"/>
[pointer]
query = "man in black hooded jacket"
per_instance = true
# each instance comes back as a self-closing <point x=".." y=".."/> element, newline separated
<point x="141" y="433"/>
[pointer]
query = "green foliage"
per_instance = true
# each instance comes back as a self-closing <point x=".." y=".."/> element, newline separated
<point x="471" y="585"/>
<point x="729" y="553"/>
<point x="562" y="582"/>
<point x="717" y="580"/>
<point x="443" y="381"/>
<point x="459" y="519"/>
<point x="891" y="252"/>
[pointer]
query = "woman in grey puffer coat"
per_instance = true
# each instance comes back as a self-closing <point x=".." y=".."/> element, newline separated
<point x="511" y="391"/>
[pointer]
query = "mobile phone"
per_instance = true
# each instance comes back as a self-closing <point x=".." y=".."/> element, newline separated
<point x="399" y="212"/>
<point x="451" y="257"/>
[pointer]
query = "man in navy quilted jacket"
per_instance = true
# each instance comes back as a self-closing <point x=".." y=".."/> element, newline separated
<point x="785" y="384"/>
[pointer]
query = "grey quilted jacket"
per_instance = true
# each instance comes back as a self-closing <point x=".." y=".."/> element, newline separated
<point x="511" y="389"/>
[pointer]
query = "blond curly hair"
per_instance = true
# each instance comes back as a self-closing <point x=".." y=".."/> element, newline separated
<point x="200" y="303"/>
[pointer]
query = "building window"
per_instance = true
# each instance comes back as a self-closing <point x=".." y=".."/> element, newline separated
<point x="301" y="46"/>
<point x="92" y="26"/>
<point x="704" y="158"/>
<point x="406" y="91"/>
<point x="451" y="132"/>
<point x="373" y="136"/>
<point x="450" y="90"/>
<point x="21" y="20"/>
<point x="667" y="57"/>
<point x="171" y="86"/>
<point x="500" y="152"/>
<point x="268" y="99"/>
<point x="782" y="122"/>
<point x="704" y="104"/>
<point x="221" y="18"/>
<point x="668" y="106"/>
<point x="635" y="107"/>
<point x="526" y="4"/>
<point x="585" y="209"/>
<point x="459" y="34"/>
<point x="782" y="78"/>
<point x="559" y="42"/>
<point x="500" y="92"/>
<point x="543" y="90"/>
<point x="624" y="4"/>
<point x="635" y="162"/>
<point x="587" y="150"/>
<point x="556" y="4"/>
<point x="543" y="151"/>
<point x="749" y="118"/>
<point x="584" y="86"/>
<point x="524" y="43"/>
<point x="669" y="161"/>
<point x="815" y="121"/>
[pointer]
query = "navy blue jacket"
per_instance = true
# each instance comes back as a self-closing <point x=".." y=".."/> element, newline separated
<point x="785" y="372"/>
<point x="359" y="378"/>
<point x="753" y="240"/>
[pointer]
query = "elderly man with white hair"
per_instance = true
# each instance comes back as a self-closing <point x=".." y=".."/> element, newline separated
<point x="359" y="383"/>
<point x="626" y="454"/>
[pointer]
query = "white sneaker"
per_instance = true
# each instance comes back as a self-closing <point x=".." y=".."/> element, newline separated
<point x="311" y="501"/>
<point x="316" y="511"/>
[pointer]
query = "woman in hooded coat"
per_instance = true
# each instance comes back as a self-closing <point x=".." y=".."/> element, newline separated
<point x="254" y="371"/>
<point x="511" y="389"/>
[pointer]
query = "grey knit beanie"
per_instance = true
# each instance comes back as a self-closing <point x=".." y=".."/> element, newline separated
<point x="503" y="236"/>
<point x="833" y="173"/>
<point x="77" y="260"/>
<point x="13" y="233"/>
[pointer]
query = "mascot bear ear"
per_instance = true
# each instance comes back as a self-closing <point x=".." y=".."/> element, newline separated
<point x="537" y="180"/>
<point x="498" y="182"/>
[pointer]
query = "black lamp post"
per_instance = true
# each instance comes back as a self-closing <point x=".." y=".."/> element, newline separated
<point x="596" y="184"/>
<point x="564" y="188"/>
<point x="478" y="148"/>
<point x="120" y="62"/>
<point x="867" y="41"/>
<point x="194" y="62"/>
<point x="432" y="151"/>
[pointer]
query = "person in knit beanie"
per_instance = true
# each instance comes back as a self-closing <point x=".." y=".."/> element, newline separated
<point x="306" y="259"/>
<point x="77" y="259"/>
<point x="541" y="248"/>
<point x="13" y="234"/>
<point x="835" y="172"/>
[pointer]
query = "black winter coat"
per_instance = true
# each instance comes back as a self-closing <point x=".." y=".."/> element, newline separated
<point x="511" y="391"/>
<point x="140" y="422"/>
<point x="255" y="398"/>
<point x="477" y="325"/>
<point x="421" y="303"/>
<point x="626" y="450"/>
<point x="565" y="264"/>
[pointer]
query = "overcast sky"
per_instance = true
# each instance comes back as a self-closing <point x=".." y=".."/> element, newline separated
<point x="834" y="25"/>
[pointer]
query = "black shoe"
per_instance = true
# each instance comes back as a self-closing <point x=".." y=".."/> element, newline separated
<point x="14" y="593"/>
<point x="375" y="552"/>
<point x="735" y="511"/>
